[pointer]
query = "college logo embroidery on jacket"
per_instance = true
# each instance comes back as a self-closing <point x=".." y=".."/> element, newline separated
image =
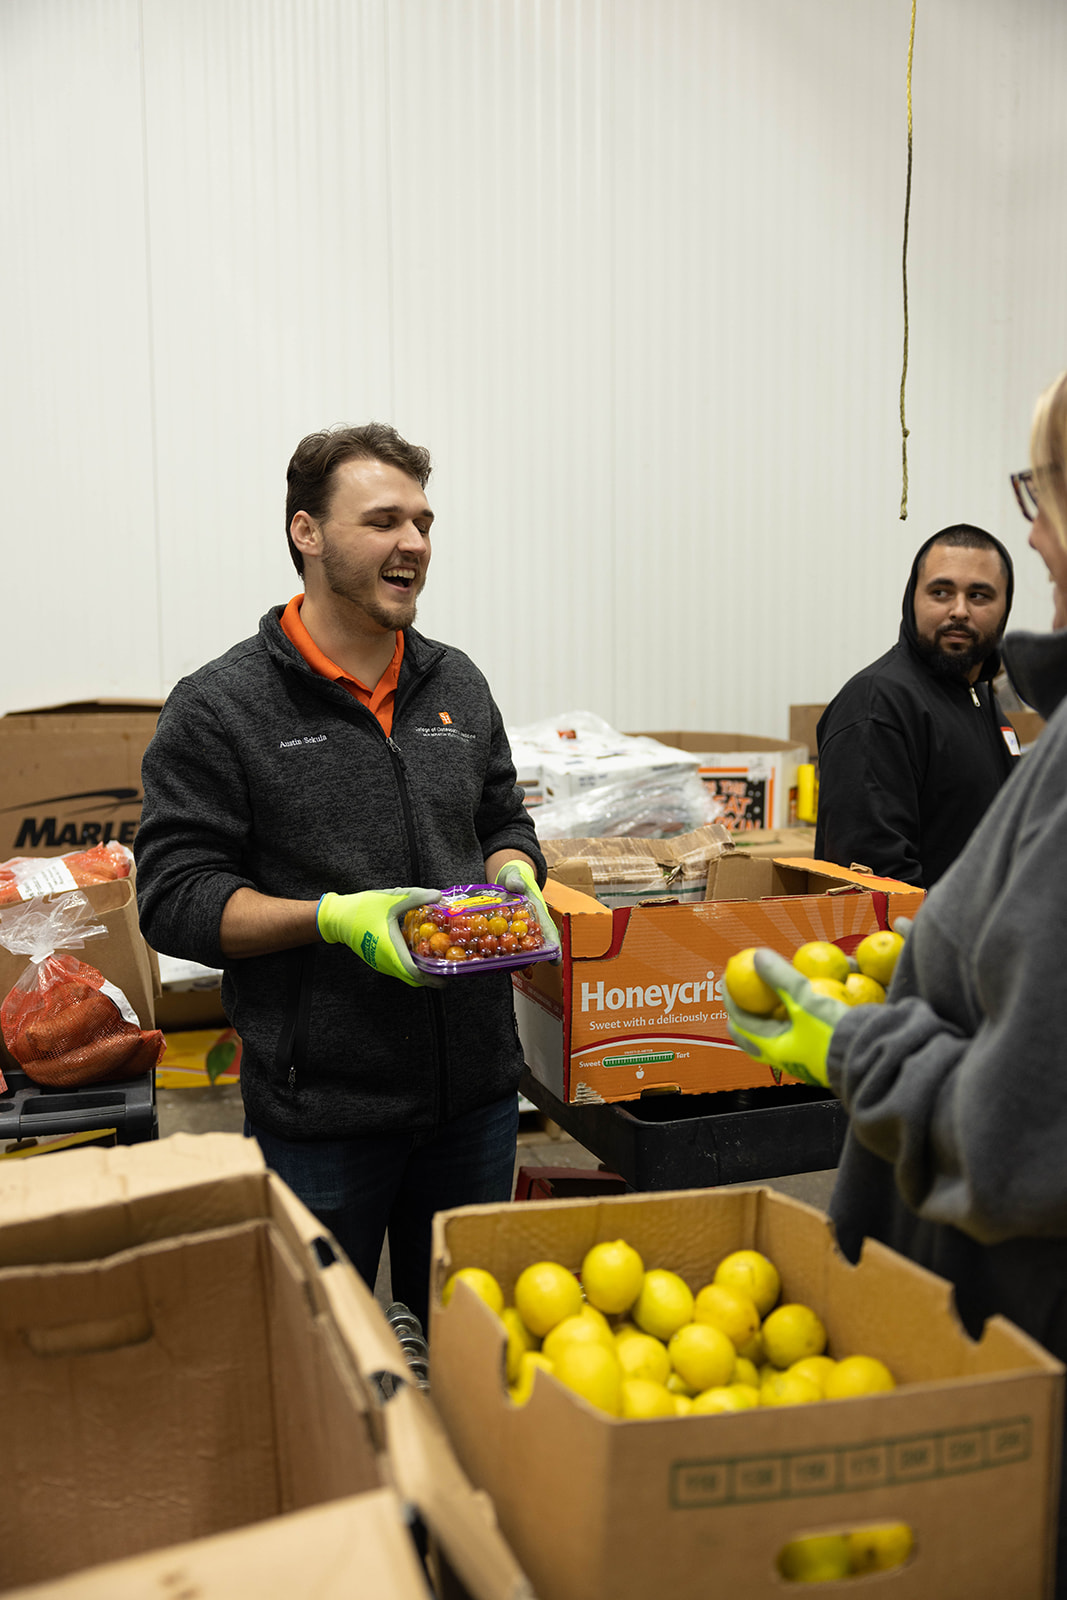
<point x="445" y="718"/>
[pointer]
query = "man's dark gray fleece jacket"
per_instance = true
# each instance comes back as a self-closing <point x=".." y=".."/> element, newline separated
<point x="265" y="775"/>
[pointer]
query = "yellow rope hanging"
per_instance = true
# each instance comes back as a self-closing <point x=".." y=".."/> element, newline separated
<point x="904" y="369"/>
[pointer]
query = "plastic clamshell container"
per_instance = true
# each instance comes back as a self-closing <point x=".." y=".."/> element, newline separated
<point x="452" y="915"/>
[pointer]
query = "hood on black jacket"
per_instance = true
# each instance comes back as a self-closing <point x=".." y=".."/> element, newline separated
<point x="909" y="633"/>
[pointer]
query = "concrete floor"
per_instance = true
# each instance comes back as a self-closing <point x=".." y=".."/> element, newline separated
<point x="541" y="1144"/>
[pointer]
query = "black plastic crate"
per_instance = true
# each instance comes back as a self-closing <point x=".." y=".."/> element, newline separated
<point x="697" y="1141"/>
<point x="30" y="1111"/>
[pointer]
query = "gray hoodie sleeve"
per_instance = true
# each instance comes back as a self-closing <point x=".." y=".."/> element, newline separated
<point x="960" y="1082"/>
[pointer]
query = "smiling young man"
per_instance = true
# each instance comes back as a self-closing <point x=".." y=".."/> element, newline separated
<point x="914" y="747"/>
<point x="290" y="786"/>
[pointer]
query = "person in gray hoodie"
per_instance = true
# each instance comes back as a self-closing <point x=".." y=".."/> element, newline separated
<point x="957" y="1116"/>
<point x="290" y="785"/>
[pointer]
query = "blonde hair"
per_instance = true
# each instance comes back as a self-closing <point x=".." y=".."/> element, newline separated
<point x="1048" y="455"/>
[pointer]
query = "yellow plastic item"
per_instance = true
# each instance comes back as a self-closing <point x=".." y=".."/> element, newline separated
<point x="807" y="793"/>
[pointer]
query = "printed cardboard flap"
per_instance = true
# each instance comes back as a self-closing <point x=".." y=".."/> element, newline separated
<point x="358" y="1545"/>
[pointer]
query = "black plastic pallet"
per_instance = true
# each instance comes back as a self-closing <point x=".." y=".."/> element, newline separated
<point x="698" y="1141"/>
<point x="30" y="1111"/>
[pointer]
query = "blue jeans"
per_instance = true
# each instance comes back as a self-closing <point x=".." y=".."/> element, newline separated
<point x="378" y="1183"/>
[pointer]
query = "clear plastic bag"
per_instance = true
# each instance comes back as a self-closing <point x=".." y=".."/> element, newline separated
<point x="62" y="1021"/>
<point x="656" y="807"/>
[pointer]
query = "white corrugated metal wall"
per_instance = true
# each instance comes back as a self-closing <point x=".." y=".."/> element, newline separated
<point x="631" y="268"/>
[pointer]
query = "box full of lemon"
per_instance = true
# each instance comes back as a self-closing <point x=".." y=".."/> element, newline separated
<point x="695" y="1393"/>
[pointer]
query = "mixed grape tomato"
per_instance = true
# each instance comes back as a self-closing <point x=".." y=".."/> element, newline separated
<point x="475" y="925"/>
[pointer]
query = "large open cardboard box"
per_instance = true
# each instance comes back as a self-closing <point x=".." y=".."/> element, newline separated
<point x="70" y="775"/>
<point x="190" y="1381"/>
<point x="636" y="1003"/>
<point x="966" y="1449"/>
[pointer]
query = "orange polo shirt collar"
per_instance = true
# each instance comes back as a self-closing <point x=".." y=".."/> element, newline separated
<point x="380" y="700"/>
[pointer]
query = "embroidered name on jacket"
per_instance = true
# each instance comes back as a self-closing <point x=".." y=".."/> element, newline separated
<point x="309" y="738"/>
<point x="449" y="732"/>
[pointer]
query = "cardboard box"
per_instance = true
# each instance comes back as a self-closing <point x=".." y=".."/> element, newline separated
<point x="754" y="778"/>
<point x="636" y="1003"/>
<point x="777" y="842"/>
<point x="184" y="1355"/>
<point x="70" y="775"/>
<point x="629" y="872"/>
<point x="122" y="955"/>
<point x="966" y="1450"/>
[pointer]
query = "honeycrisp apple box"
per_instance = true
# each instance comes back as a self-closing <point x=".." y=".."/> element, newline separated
<point x="965" y="1449"/>
<point x="636" y="1003"/>
<point x="192" y="1401"/>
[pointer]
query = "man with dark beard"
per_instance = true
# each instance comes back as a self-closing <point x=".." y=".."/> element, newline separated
<point x="914" y="747"/>
<point x="290" y="786"/>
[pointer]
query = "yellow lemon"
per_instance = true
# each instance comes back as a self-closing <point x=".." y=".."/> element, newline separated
<point x="530" y="1363"/>
<point x="726" y="1397"/>
<point x="483" y="1283"/>
<point x="789" y="1389"/>
<point x="591" y="1314"/>
<point x="584" y="1330"/>
<point x="830" y="988"/>
<point x="745" y="986"/>
<point x="703" y="1355"/>
<point x="643" y="1398"/>
<point x="876" y="1549"/>
<point x="641" y="1356"/>
<point x="731" y="1310"/>
<point x="626" y="1330"/>
<point x="677" y="1384"/>
<point x="858" y="1375"/>
<point x="818" y="1559"/>
<point x="817" y="1368"/>
<point x="520" y="1340"/>
<point x="592" y="1371"/>
<point x="753" y="1351"/>
<point x="545" y="1293"/>
<point x="863" y="991"/>
<point x="754" y="1274"/>
<point x="878" y="954"/>
<point x="683" y="1405"/>
<point x="612" y="1273"/>
<point x="746" y="1371"/>
<point x="821" y="959"/>
<point x="664" y="1303"/>
<point x="790" y="1332"/>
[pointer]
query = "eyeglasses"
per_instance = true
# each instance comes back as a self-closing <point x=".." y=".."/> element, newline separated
<point x="1025" y="493"/>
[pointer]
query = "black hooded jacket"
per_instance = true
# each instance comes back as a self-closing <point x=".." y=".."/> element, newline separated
<point x="909" y="759"/>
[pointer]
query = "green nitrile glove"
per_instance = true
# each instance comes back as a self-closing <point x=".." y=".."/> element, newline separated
<point x="799" y="1045"/>
<point x="520" y="878"/>
<point x="369" y="923"/>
